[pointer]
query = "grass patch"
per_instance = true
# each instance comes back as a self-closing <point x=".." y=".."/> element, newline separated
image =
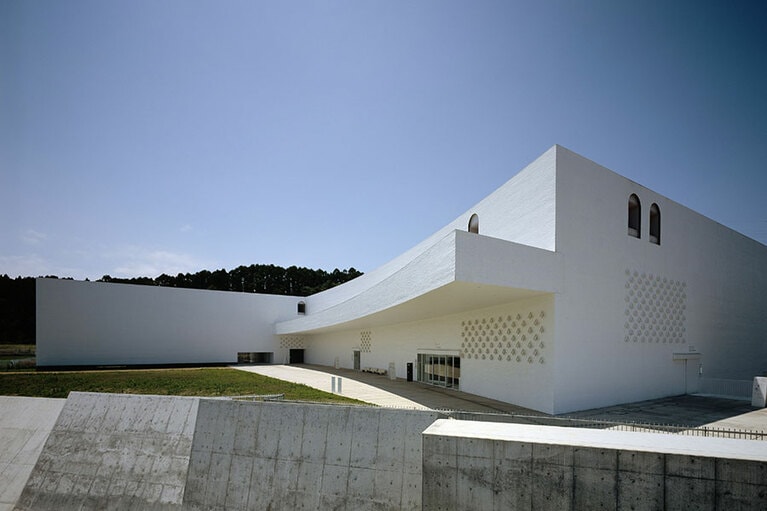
<point x="203" y="382"/>
<point x="17" y="350"/>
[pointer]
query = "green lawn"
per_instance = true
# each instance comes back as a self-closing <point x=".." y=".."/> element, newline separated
<point x="177" y="382"/>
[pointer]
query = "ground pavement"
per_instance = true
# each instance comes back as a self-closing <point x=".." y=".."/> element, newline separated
<point x="686" y="410"/>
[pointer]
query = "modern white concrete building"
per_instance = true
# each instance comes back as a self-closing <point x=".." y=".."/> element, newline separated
<point x="569" y="287"/>
<point x="100" y="324"/>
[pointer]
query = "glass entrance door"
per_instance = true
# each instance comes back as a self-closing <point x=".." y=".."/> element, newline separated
<point x="441" y="370"/>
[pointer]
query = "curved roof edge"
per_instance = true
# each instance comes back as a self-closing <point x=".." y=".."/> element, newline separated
<point x="462" y="271"/>
<point x="522" y="210"/>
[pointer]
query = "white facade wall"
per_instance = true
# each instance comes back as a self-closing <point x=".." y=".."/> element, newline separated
<point x="698" y="291"/>
<point x="501" y="357"/>
<point x="633" y="320"/>
<point x="484" y="260"/>
<point x="96" y="323"/>
<point x="568" y="310"/>
<point x="522" y="370"/>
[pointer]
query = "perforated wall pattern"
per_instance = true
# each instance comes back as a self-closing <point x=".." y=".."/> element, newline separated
<point x="519" y="338"/>
<point x="655" y="309"/>
<point x="366" y="341"/>
<point x="292" y="342"/>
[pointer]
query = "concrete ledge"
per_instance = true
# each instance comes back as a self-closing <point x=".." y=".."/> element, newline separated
<point x="474" y="465"/>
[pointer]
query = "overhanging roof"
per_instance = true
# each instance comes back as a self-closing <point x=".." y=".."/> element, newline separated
<point x="460" y="272"/>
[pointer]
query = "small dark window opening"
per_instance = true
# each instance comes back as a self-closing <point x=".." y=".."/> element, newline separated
<point x="302" y="307"/>
<point x="296" y="356"/>
<point x="635" y="216"/>
<point x="655" y="224"/>
<point x="474" y="224"/>
<point x="254" y="358"/>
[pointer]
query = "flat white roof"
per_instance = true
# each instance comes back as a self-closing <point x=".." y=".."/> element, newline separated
<point x="732" y="448"/>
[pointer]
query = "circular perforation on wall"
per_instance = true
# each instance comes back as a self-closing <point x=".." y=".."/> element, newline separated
<point x="518" y="337"/>
<point x="366" y="341"/>
<point x="655" y="309"/>
<point x="292" y="342"/>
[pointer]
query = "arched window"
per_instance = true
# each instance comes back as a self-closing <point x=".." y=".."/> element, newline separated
<point x="635" y="216"/>
<point x="655" y="224"/>
<point x="474" y="224"/>
<point x="302" y="307"/>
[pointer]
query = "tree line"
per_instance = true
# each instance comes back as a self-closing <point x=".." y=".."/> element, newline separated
<point x="256" y="278"/>
<point x="17" y="296"/>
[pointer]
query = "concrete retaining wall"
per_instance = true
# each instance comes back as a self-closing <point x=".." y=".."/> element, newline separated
<point x="25" y="423"/>
<point x="290" y="456"/>
<point x="471" y="465"/>
<point x="128" y="452"/>
<point x="112" y="451"/>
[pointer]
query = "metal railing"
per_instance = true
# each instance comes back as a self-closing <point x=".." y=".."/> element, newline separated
<point x="645" y="427"/>
<point x="723" y="387"/>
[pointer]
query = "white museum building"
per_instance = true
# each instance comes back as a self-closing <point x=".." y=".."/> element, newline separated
<point x="569" y="287"/>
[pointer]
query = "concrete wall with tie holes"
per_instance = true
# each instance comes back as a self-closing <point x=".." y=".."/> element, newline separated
<point x="517" y="467"/>
<point x="167" y="453"/>
<point x="127" y="452"/>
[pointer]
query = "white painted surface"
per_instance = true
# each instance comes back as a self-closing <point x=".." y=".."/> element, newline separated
<point x="706" y="276"/>
<point x="95" y="323"/>
<point x="324" y="381"/>
<point x="505" y="378"/>
<point x="447" y="278"/>
<point x="723" y="274"/>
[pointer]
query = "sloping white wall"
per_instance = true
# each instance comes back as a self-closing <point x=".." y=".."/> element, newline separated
<point x="628" y="305"/>
<point x="434" y="267"/>
<point x="523" y="210"/>
<point x="95" y="323"/>
<point x="458" y="256"/>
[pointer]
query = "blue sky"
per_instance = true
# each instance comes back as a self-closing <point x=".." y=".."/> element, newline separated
<point x="145" y="137"/>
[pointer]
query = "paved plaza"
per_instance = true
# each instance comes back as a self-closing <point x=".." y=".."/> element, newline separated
<point x="685" y="410"/>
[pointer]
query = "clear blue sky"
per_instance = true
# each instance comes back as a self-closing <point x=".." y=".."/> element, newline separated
<point x="145" y="137"/>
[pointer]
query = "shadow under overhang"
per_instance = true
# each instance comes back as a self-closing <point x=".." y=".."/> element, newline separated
<point x="460" y="272"/>
<point x="447" y="300"/>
